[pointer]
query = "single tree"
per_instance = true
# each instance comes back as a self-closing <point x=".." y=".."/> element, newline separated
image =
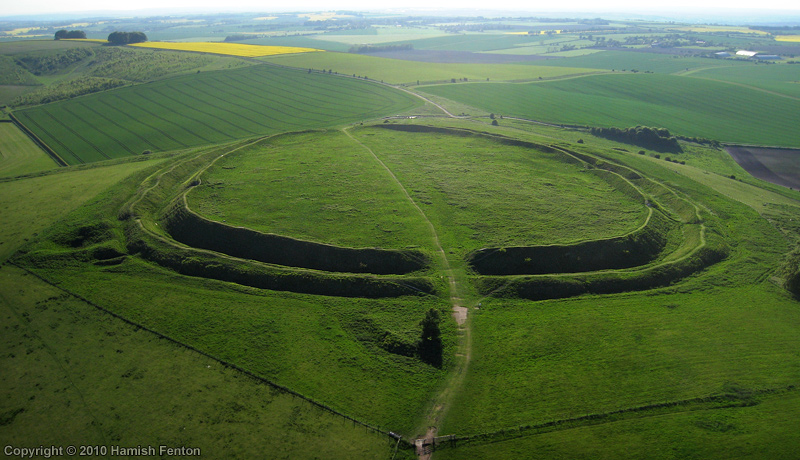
<point x="430" y="343"/>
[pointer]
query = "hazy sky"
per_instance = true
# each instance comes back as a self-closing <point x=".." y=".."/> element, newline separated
<point x="26" y="7"/>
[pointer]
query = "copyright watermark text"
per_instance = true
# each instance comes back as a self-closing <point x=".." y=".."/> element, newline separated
<point x="100" y="451"/>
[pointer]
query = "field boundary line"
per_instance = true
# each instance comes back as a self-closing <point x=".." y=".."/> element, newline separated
<point x="702" y="403"/>
<point x="42" y="145"/>
<point x="58" y="362"/>
<point x="222" y="361"/>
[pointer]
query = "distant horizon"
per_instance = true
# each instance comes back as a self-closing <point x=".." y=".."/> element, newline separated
<point x="771" y="11"/>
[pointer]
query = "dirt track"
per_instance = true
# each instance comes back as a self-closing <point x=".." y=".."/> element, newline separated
<point x="779" y="166"/>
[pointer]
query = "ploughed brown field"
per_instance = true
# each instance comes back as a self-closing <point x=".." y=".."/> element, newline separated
<point x="779" y="166"/>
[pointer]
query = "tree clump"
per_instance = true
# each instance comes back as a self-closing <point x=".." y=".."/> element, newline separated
<point x="64" y="34"/>
<point x="658" y="139"/>
<point x="126" y="38"/>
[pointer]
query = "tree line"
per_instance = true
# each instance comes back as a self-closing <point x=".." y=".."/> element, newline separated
<point x="658" y="139"/>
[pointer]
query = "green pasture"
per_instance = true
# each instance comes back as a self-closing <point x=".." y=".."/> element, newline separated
<point x="725" y="331"/>
<point x="762" y="427"/>
<point x="13" y="75"/>
<point x="206" y="108"/>
<point x="477" y="42"/>
<point x="549" y="47"/>
<point x="686" y="106"/>
<point x="783" y="78"/>
<point x="19" y="155"/>
<point x="399" y="71"/>
<point x="383" y="35"/>
<point x="534" y="363"/>
<point x="101" y="381"/>
<point x="327" y="348"/>
<point x="463" y="185"/>
<point x="27" y="46"/>
<point x="30" y="205"/>
<point x="313" y="186"/>
<point x="641" y="61"/>
<point x="303" y="41"/>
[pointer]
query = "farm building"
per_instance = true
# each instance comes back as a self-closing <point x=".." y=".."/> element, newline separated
<point x="722" y="54"/>
<point x="767" y="57"/>
<point x="746" y="53"/>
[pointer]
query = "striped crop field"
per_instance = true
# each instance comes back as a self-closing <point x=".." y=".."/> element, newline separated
<point x="229" y="49"/>
<point x="206" y="108"/>
<point x="686" y="106"/>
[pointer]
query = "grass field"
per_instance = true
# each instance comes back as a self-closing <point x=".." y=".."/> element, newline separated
<point x="477" y="42"/>
<point x="641" y="61"/>
<point x="69" y="363"/>
<point x="19" y="155"/>
<point x="409" y="72"/>
<point x="703" y="366"/>
<point x="30" y="205"/>
<point x="206" y="108"/>
<point x="463" y="184"/>
<point x="782" y="79"/>
<point x="321" y="186"/>
<point x="27" y="46"/>
<point x="686" y="106"/>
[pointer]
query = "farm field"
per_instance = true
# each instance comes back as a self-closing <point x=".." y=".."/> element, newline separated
<point x="778" y="166"/>
<point x="306" y="256"/>
<point x="230" y="49"/>
<point x="642" y="62"/>
<point x="686" y="106"/>
<point x="206" y="108"/>
<point x="19" y="155"/>
<point x="408" y="72"/>
<point x="782" y="79"/>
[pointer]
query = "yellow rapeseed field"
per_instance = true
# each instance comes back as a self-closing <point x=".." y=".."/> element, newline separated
<point x="230" y="49"/>
<point x="788" y="38"/>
